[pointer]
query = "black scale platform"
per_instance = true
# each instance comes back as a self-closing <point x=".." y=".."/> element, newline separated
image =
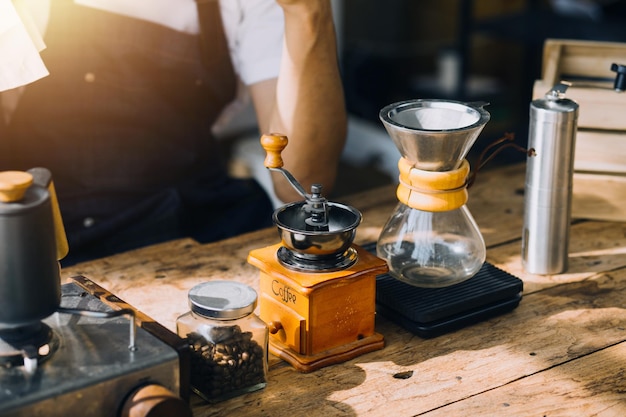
<point x="430" y="312"/>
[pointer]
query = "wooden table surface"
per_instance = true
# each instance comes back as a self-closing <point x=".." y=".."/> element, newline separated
<point x="561" y="352"/>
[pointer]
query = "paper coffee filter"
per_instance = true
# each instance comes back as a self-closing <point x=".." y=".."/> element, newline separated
<point x="436" y="118"/>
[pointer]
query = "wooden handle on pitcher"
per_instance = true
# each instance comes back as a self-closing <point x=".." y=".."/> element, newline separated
<point x="63" y="247"/>
<point x="273" y="144"/>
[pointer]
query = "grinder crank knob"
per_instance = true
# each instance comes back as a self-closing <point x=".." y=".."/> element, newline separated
<point x="154" y="400"/>
<point x="273" y="144"/>
<point x="13" y="185"/>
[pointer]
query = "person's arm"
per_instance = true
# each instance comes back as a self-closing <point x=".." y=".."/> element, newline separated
<point x="306" y="102"/>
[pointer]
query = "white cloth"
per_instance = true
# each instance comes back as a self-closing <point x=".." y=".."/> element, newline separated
<point x="20" y="43"/>
<point x="254" y="30"/>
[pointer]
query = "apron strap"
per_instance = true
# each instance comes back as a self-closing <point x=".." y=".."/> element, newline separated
<point x="212" y="33"/>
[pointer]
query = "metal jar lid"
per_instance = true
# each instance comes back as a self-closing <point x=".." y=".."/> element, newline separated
<point x="224" y="300"/>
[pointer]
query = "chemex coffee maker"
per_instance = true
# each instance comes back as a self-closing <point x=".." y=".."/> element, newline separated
<point x="318" y="289"/>
<point x="438" y="278"/>
<point x="63" y="351"/>
<point x="432" y="240"/>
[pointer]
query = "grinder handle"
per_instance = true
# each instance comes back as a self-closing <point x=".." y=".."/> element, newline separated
<point x="273" y="143"/>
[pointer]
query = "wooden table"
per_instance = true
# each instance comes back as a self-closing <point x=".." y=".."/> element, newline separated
<point x="561" y="352"/>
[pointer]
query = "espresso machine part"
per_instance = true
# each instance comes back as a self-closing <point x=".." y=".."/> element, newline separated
<point x="317" y="288"/>
<point x="549" y="179"/>
<point x="63" y="352"/>
<point x="97" y="368"/>
<point x="32" y="241"/>
<point x="432" y="240"/>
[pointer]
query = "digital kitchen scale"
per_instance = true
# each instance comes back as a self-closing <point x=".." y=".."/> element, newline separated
<point x="430" y="312"/>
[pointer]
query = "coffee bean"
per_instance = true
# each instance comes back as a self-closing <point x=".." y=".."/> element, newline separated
<point x="231" y="361"/>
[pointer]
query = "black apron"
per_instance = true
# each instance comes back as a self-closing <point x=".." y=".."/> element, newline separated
<point x="123" y="122"/>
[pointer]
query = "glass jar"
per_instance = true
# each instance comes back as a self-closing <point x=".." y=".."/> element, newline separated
<point x="228" y="341"/>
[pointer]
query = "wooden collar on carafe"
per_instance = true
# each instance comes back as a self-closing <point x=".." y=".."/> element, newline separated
<point x="432" y="190"/>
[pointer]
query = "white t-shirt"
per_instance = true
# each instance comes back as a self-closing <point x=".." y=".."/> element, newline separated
<point x="254" y="28"/>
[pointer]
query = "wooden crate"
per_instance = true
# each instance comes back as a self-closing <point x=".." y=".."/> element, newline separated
<point x="600" y="155"/>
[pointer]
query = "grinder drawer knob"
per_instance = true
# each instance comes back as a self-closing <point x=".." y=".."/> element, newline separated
<point x="274" y="327"/>
<point x="154" y="401"/>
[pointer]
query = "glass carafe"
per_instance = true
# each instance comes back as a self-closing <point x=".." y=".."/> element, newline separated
<point x="431" y="239"/>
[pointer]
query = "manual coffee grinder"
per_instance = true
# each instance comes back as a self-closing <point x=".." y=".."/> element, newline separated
<point x="317" y="288"/>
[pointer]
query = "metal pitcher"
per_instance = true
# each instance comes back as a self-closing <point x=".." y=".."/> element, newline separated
<point x="32" y="240"/>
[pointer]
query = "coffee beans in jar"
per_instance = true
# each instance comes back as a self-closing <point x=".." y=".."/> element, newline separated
<point x="228" y="341"/>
